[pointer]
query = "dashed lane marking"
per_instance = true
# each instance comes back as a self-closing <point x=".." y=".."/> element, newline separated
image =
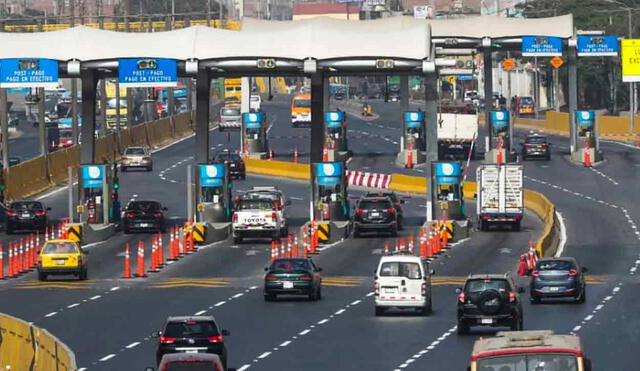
<point x="426" y="350"/>
<point x="604" y="176"/>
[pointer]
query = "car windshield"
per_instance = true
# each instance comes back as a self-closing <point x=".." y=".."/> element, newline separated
<point x="191" y="366"/>
<point x="528" y="101"/>
<point x="536" y="140"/>
<point x="483" y="285"/>
<point x="191" y="329"/>
<point x="228" y="157"/>
<point x="401" y="269"/>
<point x="26" y="206"/>
<point x="303" y="103"/>
<point x="66" y="134"/>
<point x="374" y="204"/>
<point x="255" y="98"/>
<point x="256" y="205"/>
<point x="529" y="362"/>
<point x="555" y="265"/>
<point x="230" y="112"/>
<point x="135" y="151"/>
<point x="60" y="248"/>
<point x="290" y="265"/>
<point x="392" y="196"/>
<point x="144" y="206"/>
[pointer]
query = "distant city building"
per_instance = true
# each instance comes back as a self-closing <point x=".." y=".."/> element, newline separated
<point x="333" y="10"/>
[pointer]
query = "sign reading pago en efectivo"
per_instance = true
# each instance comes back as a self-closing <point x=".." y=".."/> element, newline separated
<point x="28" y="73"/>
<point x="147" y="72"/>
<point x="630" y="60"/>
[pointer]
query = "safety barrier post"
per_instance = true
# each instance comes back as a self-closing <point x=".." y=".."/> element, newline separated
<point x="160" y="250"/>
<point x="10" y="268"/>
<point x="411" y="243"/>
<point x="296" y="247"/>
<point x="386" y="247"/>
<point x="289" y="246"/>
<point x="46" y="233"/>
<point x="305" y="244"/>
<point x="410" y="160"/>
<point x="181" y="242"/>
<point x="283" y="249"/>
<point x="587" y="155"/>
<point x="127" y="262"/>
<point x="154" y="254"/>
<point x="402" y="245"/>
<point x="396" y="245"/>
<point x="192" y="245"/>
<point x="274" y="250"/>
<point x="295" y="155"/>
<point x="140" y="266"/>
<point x="21" y="262"/>
<point x="1" y="262"/>
<point x="270" y="154"/>
<point x="325" y="154"/>
<point x="33" y="251"/>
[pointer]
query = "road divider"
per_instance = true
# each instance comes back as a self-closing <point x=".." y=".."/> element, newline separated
<point x="536" y="202"/>
<point x="27" y="347"/>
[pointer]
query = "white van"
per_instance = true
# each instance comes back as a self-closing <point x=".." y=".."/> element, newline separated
<point x="255" y="103"/>
<point x="403" y="280"/>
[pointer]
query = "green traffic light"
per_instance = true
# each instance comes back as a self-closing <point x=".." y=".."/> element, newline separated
<point x="2" y="187"/>
<point x="116" y="186"/>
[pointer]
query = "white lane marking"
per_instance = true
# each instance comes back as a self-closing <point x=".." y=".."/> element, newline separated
<point x="219" y="303"/>
<point x="264" y="355"/>
<point x="200" y="313"/>
<point x="107" y="357"/>
<point x="244" y="367"/>
<point x="133" y="345"/>
<point x="604" y="176"/>
<point x="339" y="312"/>
<point x="73" y="305"/>
<point x="426" y="350"/>
<point x="95" y="297"/>
<point x="51" y="314"/>
<point x="304" y="332"/>
<point x="237" y="295"/>
<point x="116" y="288"/>
<point x="563" y="235"/>
<point x="322" y="322"/>
<point x="284" y="344"/>
<point x="356" y="302"/>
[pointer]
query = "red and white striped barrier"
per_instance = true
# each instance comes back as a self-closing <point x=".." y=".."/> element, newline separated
<point x="369" y="180"/>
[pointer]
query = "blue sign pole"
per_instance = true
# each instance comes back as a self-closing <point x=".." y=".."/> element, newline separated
<point x="147" y="72"/>
<point x="28" y="73"/>
<point x="541" y="46"/>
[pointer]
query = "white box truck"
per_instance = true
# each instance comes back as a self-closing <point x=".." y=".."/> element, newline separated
<point x="457" y="133"/>
<point x="500" y="195"/>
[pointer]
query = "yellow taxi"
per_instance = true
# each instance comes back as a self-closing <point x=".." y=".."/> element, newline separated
<point x="62" y="257"/>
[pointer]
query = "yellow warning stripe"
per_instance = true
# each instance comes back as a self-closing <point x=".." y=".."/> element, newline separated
<point x="198" y="233"/>
<point x="191" y="284"/>
<point x="323" y="231"/>
<point x="186" y="282"/>
<point x="55" y="285"/>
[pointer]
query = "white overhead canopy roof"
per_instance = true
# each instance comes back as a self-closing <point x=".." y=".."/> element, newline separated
<point x="501" y="27"/>
<point x="320" y="38"/>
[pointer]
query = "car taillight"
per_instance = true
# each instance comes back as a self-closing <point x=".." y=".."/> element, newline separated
<point x="391" y="210"/>
<point x="512" y="297"/>
<point x="376" y="287"/>
<point x="215" y="339"/>
<point x="573" y="273"/>
<point x="157" y="214"/>
<point x="40" y="213"/>
<point x="359" y="211"/>
<point x="306" y="277"/>
<point x="130" y="215"/>
<point x="11" y="213"/>
<point x="274" y="216"/>
<point x="270" y="277"/>
<point x="167" y="340"/>
<point x="535" y="274"/>
<point x="461" y="297"/>
<point x="424" y="289"/>
<point x="235" y="217"/>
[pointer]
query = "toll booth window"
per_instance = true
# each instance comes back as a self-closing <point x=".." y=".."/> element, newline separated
<point x="327" y="192"/>
<point x="529" y="362"/>
<point x="211" y="194"/>
<point x="303" y="103"/>
<point x="449" y="194"/>
<point x="26" y="206"/>
<point x="256" y="205"/>
<point x="401" y="269"/>
<point x="143" y="206"/>
<point x="60" y="248"/>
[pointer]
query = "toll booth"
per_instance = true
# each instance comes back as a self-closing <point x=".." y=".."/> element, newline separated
<point x="335" y="134"/>
<point x="254" y="134"/>
<point x="446" y="181"/>
<point x="331" y="198"/>
<point x="500" y="138"/>
<point x="213" y="193"/>
<point x="413" y="141"/>
<point x="588" y="143"/>
<point x="95" y="194"/>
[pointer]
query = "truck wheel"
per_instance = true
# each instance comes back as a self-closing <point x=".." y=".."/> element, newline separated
<point x="123" y="169"/>
<point x="42" y="276"/>
<point x="379" y="311"/>
<point x="237" y="239"/>
<point x="463" y="328"/>
<point x="515" y="226"/>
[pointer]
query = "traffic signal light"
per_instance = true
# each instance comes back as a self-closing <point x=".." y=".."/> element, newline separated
<point x="116" y="184"/>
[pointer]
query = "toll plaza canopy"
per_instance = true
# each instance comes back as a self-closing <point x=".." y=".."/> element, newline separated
<point x="319" y="38"/>
<point x="501" y="27"/>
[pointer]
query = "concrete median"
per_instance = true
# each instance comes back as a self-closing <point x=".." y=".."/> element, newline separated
<point x="26" y="347"/>
<point x="277" y="168"/>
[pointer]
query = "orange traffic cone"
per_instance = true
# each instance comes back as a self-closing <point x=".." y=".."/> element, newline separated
<point x="295" y="155"/>
<point x="1" y="262"/>
<point x="587" y="157"/>
<point x="325" y="154"/>
<point x="160" y="250"/>
<point x="127" y="262"/>
<point x="410" y="160"/>
<point x="140" y="267"/>
<point x="296" y="247"/>
<point x="411" y="244"/>
<point x="154" y="255"/>
<point x="386" y="247"/>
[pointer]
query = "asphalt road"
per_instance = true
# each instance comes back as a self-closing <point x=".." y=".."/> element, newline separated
<point x="107" y="321"/>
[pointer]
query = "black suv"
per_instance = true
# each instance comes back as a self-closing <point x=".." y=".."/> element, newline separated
<point x="191" y="334"/>
<point x="377" y="214"/>
<point x="26" y="215"/>
<point x="535" y="145"/>
<point x="397" y="202"/>
<point x="236" y="164"/>
<point x="144" y="215"/>
<point x="489" y="300"/>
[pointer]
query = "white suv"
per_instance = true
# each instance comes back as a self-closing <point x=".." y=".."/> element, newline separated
<point x="403" y="280"/>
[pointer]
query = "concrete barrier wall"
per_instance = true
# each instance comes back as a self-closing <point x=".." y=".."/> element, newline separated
<point x="26" y="347"/>
<point x="558" y="123"/>
<point x="277" y="168"/>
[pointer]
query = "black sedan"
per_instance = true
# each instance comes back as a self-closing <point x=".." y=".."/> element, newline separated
<point x="558" y="278"/>
<point x="292" y="276"/>
<point x="235" y="163"/>
<point x="375" y="214"/>
<point x="397" y="204"/>
<point x="143" y="215"/>
<point x="26" y="215"/>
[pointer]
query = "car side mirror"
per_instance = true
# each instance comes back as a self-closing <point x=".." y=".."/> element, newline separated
<point x="165" y="208"/>
<point x="320" y="269"/>
<point x="226" y="333"/>
<point x="458" y="290"/>
<point x="432" y="272"/>
<point x="584" y="270"/>
<point x="48" y="208"/>
<point x="520" y="290"/>
<point x="288" y="202"/>
<point x="156" y="334"/>
<point x="266" y="269"/>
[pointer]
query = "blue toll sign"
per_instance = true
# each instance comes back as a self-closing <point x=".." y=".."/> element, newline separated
<point x="212" y="175"/>
<point x="448" y="172"/>
<point x="147" y="72"/>
<point x="585" y="118"/>
<point x="329" y="173"/>
<point x="334" y="119"/>
<point x="541" y="46"/>
<point x="500" y="119"/>
<point x="253" y="120"/>
<point x="596" y="46"/>
<point x="93" y="176"/>
<point x="28" y="73"/>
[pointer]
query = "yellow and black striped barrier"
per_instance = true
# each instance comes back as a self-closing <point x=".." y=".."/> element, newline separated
<point x="324" y="232"/>
<point x="199" y="233"/>
<point x="75" y="232"/>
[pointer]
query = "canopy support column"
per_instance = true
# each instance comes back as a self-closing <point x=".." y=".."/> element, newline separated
<point x="431" y="132"/>
<point x="203" y="85"/>
<point x="573" y="92"/>
<point x="318" y="88"/>
<point x="488" y="87"/>
<point x="89" y="84"/>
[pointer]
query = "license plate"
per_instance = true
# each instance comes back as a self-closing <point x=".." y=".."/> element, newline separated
<point x="60" y="261"/>
<point x="389" y="290"/>
<point x="375" y="214"/>
<point x="287" y="285"/>
<point x="191" y="351"/>
<point x="486" y="321"/>
<point x="144" y="225"/>
<point x="255" y="220"/>
<point x="25" y="215"/>
<point x="554" y="289"/>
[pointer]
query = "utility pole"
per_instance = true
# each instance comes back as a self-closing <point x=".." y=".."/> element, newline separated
<point x="208" y="13"/>
<point x="74" y="83"/>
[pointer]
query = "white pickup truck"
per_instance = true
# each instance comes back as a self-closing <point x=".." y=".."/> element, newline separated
<point x="260" y="213"/>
